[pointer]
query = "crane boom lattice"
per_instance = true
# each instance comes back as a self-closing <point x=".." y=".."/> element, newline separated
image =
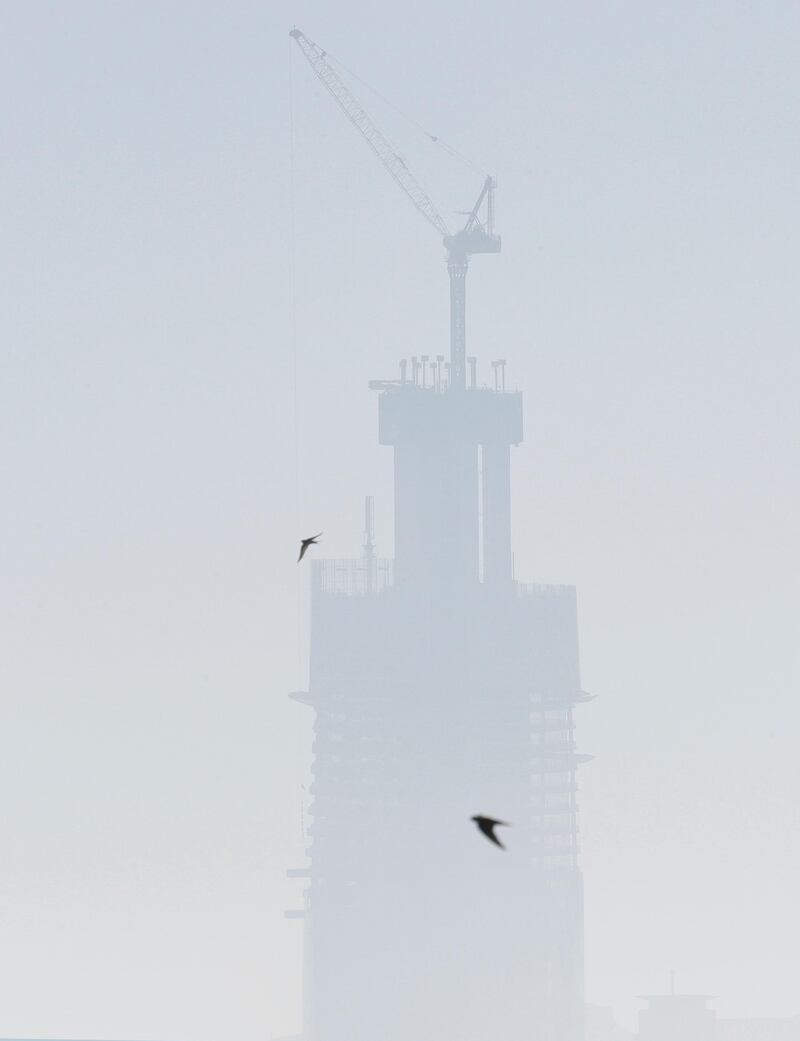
<point x="475" y="237"/>
<point x="382" y="148"/>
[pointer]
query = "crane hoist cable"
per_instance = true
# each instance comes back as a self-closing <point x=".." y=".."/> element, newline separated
<point x="436" y="139"/>
<point x="475" y="237"/>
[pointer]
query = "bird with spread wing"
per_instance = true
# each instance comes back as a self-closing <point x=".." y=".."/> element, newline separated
<point x="486" y="826"/>
<point x="305" y="543"/>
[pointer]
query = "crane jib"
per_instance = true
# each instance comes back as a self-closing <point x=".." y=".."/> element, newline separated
<point x="474" y="237"/>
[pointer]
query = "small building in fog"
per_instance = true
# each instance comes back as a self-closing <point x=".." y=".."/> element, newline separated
<point x="677" y="1017"/>
<point x="687" y="1017"/>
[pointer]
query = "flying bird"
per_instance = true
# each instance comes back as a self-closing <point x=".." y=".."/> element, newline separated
<point x="487" y="826"/>
<point x="305" y="543"/>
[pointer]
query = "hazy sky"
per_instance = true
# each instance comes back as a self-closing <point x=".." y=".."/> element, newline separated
<point x="151" y="612"/>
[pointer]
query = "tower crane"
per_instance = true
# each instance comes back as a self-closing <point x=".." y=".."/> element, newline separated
<point x="475" y="237"/>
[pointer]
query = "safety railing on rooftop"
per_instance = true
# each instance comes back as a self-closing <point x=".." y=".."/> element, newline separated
<point x="357" y="577"/>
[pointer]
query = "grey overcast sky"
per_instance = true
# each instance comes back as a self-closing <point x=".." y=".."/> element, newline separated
<point x="157" y="467"/>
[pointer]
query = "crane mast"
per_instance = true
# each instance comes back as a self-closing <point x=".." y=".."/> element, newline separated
<point x="474" y="237"/>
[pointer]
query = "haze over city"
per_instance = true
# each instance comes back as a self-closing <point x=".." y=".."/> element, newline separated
<point x="203" y="268"/>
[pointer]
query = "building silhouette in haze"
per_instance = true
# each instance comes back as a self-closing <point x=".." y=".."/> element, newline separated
<point x="442" y="687"/>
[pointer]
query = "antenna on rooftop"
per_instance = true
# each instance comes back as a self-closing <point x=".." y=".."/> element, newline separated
<point x="369" y="527"/>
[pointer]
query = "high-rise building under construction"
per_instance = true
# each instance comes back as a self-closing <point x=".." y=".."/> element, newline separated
<point x="442" y="687"/>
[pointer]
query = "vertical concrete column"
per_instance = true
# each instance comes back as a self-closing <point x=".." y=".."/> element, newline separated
<point x="458" y="537"/>
<point x="496" y="513"/>
<point x="435" y="487"/>
<point x="414" y="511"/>
<point x="436" y="520"/>
<point x="457" y="269"/>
